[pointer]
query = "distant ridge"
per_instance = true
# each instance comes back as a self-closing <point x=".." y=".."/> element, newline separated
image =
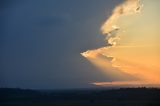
<point x="110" y="97"/>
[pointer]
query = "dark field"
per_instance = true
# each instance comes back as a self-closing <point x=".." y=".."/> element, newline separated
<point x="85" y="97"/>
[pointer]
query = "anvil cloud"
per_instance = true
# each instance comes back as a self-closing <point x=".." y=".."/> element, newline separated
<point x="131" y="47"/>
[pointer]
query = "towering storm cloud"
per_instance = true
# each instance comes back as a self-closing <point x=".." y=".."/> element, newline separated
<point x="130" y="48"/>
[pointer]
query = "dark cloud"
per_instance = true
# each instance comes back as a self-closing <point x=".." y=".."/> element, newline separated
<point x="41" y="42"/>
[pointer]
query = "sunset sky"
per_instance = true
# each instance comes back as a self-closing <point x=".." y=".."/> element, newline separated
<point x="134" y="46"/>
<point x="54" y="44"/>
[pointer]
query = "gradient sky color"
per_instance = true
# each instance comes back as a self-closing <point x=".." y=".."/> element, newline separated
<point x="135" y="49"/>
<point x="40" y="42"/>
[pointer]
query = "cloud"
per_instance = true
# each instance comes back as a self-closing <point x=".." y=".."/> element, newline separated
<point x="116" y="57"/>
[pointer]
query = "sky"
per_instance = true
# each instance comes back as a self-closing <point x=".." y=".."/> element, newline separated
<point x="63" y="44"/>
<point x="41" y="42"/>
<point x="132" y="44"/>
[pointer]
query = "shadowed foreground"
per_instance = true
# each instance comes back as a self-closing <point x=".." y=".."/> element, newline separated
<point x="116" y="97"/>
